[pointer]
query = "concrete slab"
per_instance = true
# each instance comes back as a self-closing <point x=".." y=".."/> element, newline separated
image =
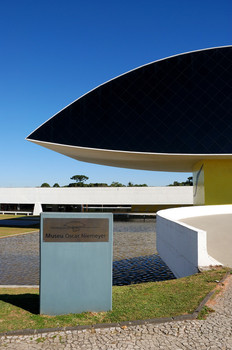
<point x="219" y="235"/>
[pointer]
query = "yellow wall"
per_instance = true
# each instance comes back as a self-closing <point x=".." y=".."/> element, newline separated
<point x="212" y="182"/>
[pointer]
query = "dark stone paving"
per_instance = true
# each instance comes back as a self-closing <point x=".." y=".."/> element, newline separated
<point x="135" y="257"/>
<point x="149" y="268"/>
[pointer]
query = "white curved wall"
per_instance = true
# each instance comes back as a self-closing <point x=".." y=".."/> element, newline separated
<point x="183" y="247"/>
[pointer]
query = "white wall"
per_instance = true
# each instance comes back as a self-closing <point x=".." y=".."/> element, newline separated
<point x="112" y="195"/>
<point x="183" y="247"/>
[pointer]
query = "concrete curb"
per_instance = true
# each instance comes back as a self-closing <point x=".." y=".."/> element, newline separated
<point x="186" y="317"/>
<point x="19" y="234"/>
<point x="18" y="286"/>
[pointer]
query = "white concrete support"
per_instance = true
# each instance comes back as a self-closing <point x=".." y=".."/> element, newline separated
<point x="37" y="209"/>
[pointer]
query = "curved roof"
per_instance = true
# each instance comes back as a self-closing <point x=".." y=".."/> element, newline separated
<point x="165" y="115"/>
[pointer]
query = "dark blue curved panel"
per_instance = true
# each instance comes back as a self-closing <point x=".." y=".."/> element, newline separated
<point x="182" y="104"/>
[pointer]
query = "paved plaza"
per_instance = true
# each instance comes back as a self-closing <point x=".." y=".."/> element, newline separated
<point x="214" y="333"/>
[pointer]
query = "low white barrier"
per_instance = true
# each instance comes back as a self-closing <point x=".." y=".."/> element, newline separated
<point x="10" y="212"/>
<point x="183" y="247"/>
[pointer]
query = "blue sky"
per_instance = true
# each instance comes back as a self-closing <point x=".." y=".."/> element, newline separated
<point x="52" y="52"/>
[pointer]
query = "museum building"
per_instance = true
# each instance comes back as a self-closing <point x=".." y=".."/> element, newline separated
<point x="174" y="114"/>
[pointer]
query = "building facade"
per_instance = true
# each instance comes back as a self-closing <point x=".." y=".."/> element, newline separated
<point x="174" y="114"/>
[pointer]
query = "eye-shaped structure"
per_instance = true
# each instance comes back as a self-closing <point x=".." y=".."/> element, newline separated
<point x="166" y="115"/>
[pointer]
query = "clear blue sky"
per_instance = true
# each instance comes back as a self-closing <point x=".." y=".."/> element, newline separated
<point x="53" y="51"/>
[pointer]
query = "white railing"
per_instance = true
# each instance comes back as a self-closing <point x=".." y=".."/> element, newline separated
<point x="10" y="212"/>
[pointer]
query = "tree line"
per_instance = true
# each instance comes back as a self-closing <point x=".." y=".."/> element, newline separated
<point x="81" y="179"/>
<point x="188" y="182"/>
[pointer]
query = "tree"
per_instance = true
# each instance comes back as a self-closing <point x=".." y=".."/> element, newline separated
<point x="45" y="184"/>
<point x="80" y="179"/>
<point x="116" y="184"/>
<point x="130" y="184"/>
<point x="188" y="182"/>
<point x="140" y="185"/>
<point x="56" y="185"/>
<point x="97" y="184"/>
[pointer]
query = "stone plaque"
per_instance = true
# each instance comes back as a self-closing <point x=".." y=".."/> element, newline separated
<point x="76" y="252"/>
<point x="75" y="230"/>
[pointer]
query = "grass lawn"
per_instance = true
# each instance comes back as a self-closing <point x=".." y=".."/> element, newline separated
<point x="19" y="307"/>
<point x="9" y="231"/>
<point x="8" y="217"/>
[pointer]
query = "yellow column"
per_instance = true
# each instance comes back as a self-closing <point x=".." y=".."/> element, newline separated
<point x="212" y="181"/>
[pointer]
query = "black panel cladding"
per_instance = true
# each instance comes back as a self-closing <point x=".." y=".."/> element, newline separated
<point x="182" y="104"/>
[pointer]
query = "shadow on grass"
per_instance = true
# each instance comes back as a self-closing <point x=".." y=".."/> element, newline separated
<point x="28" y="302"/>
<point x="22" y="222"/>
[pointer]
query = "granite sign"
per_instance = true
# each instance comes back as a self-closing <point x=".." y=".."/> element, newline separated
<point x="75" y="262"/>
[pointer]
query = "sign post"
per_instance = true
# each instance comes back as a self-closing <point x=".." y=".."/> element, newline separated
<point x="75" y="262"/>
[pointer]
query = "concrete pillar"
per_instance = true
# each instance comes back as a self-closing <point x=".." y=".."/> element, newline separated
<point x="37" y="209"/>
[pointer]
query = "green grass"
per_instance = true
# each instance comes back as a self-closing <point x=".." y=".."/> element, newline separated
<point x="19" y="307"/>
<point x="7" y="217"/>
<point x="14" y="230"/>
<point x="11" y="231"/>
<point x="205" y="311"/>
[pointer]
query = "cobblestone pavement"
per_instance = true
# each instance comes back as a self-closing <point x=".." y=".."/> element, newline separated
<point x="213" y="333"/>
